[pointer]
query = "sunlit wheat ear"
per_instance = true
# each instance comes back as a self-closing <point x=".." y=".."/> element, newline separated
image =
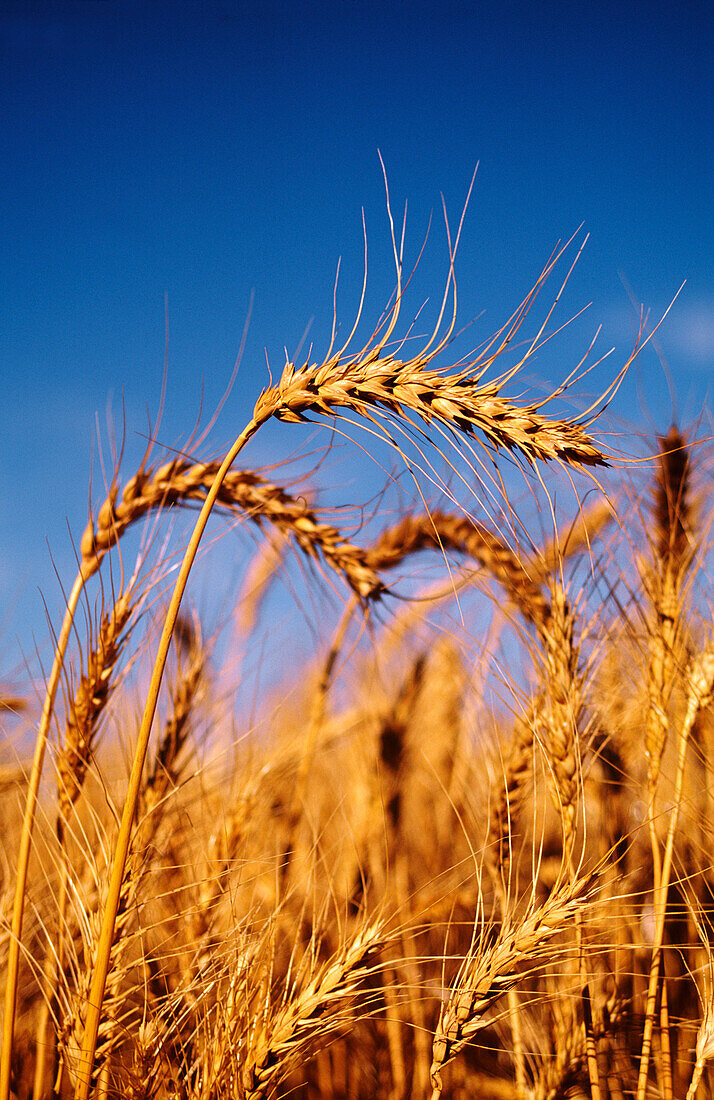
<point x="362" y="384"/>
<point x="281" y="1036"/>
<point x="445" y="532"/>
<point x="699" y="679"/>
<point x="673" y="549"/>
<point x="182" y="482"/>
<point x="491" y="969"/>
<point x="85" y="710"/>
<point x="89" y="700"/>
<point x="562" y="700"/>
<point x="672" y="556"/>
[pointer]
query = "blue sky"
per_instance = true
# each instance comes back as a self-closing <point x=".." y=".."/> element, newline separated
<point x="206" y="152"/>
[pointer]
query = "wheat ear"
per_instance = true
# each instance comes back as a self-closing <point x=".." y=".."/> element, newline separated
<point x="308" y="1018"/>
<point x="504" y="811"/>
<point x="490" y="970"/>
<point x="89" y="702"/>
<point x="673" y="554"/>
<point x="561" y="712"/>
<point x="515" y="769"/>
<point x="444" y="531"/>
<point x="182" y="482"/>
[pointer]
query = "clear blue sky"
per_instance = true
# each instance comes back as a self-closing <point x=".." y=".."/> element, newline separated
<point x="206" y="150"/>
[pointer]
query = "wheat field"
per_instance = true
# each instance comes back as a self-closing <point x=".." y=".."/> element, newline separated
<point x="461" y="845"/>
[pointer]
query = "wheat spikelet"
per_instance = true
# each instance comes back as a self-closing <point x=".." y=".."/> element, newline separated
<point x="181" y="482"/>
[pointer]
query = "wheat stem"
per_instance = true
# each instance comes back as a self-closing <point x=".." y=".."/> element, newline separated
<point x="96" y="995"/>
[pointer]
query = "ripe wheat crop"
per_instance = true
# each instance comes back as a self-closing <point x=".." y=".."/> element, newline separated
<point x="465" y="850"/>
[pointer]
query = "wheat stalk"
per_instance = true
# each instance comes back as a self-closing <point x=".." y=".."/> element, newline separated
<point x="89" y="701"/>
